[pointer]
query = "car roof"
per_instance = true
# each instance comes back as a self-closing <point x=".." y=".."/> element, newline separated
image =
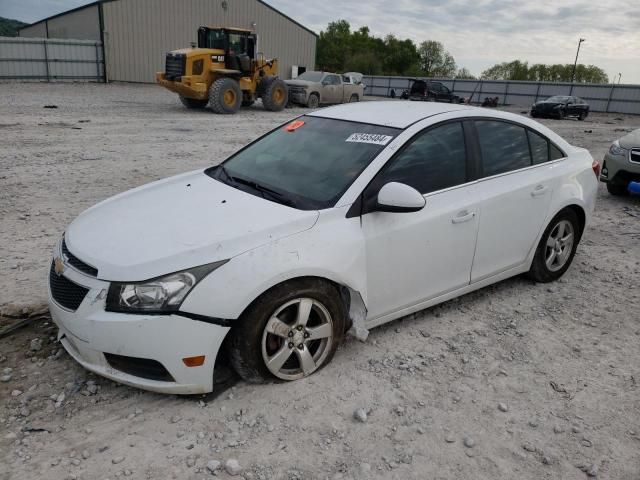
<point x="397" y="114"/>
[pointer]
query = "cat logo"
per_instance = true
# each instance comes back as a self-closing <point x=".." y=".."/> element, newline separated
<point x="58" y="266"/>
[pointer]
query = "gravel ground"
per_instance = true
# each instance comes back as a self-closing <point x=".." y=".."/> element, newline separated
<point x="517" y="380"/>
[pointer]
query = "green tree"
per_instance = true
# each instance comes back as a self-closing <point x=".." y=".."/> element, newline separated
<point x="464" y="73"/>
<point x="9" y="27"/>
<point x="400" y="56"/>
<point x="332" y="46"/>
<point x="517" y="70"/>
<point x="435" y="61"/>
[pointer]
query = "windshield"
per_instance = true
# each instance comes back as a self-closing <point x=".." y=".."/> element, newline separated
<point x="311" y="76"/>
<point x="307" y="164"/>
<point x="558" y="98"/>
<point x="212" y="39"/>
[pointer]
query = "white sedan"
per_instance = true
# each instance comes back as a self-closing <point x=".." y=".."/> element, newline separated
<point x="345" y="218"/>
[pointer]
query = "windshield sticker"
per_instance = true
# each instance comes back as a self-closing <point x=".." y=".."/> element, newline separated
<point x="374" y="138"/>
<point x="293" y="126"/>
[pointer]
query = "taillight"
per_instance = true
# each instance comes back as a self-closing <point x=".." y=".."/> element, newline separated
<point x="596" y="168"/>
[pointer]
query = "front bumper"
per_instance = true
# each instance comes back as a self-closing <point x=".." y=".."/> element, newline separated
<point x="298" y="97"/>
<point x="90" y="332"/>
<point x="619" y="169"/>
<point x="186" y="87"/>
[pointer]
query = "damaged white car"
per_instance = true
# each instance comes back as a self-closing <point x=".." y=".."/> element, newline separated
<point x="347" y="217"/>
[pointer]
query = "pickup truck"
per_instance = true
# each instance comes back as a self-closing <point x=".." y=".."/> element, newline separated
<point x="315" y="88"/>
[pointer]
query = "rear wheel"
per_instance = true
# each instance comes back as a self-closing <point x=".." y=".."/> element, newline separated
<point x="617" y="189"/>
<point x="225" y="96"/>
<point x="289" y="332"/>
<point x="582" y="115"/>
<point x="557" y="247"/>
<point x="193" y="103"/>
<point x="274" y="94"/>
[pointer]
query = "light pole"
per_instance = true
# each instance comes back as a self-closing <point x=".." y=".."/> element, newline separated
<point x="575" y="64"/>
<point x="619" y="78"/>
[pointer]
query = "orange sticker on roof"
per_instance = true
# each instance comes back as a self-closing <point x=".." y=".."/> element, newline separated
<point x="293" y="126"/>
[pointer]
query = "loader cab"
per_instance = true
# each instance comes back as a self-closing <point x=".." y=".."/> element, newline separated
<point x="239" y="46"/>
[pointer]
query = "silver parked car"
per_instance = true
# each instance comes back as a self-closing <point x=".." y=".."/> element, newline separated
<point x="621" y="166"/>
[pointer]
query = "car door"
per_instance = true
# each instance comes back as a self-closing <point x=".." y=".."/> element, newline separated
<point x="413" y="257"/>
<point x="515" y="195"/>
<point x="332" y="89"/>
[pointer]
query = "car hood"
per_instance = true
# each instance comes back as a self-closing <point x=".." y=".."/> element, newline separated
<point x="632" y="140"/>
<point x="544" y="103"/>
<point x="300" y="83"/>
<point x="175" y="224"/>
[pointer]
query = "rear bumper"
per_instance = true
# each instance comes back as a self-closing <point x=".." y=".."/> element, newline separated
<point x="186" y="87"/>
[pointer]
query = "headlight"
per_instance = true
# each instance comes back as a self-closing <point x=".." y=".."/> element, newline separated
<point x="616" y="149"/>
<point x="159" y="295"/>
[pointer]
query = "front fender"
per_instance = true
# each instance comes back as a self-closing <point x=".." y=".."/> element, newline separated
<point x="333" y="249"/>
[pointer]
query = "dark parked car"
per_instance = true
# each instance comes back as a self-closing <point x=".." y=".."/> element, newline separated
<point x="561" y="106"/>
<point x="429" y="91"/>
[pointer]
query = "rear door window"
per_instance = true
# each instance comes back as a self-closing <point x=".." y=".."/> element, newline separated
<point x="504" y="147"/>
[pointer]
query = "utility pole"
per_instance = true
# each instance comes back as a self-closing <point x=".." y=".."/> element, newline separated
<point x="575" y="64"/>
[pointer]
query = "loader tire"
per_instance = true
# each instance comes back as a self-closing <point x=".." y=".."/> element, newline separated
<point x="225" y="96"/>
<point x="275" y="94"/>
<point x="193" y="103"/>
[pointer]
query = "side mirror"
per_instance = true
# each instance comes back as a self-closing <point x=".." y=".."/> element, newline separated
<point x="400" y="198"/>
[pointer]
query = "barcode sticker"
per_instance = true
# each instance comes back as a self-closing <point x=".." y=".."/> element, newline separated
<point x="373" y="138"/>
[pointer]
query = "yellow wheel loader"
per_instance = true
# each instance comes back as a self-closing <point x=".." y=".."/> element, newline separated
<point x="225" y="72"/>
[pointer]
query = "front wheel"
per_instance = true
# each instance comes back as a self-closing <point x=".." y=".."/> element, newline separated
<point x="313" y="101"/>
<point x="354" y="98"/>
<point x="275" y="94"/>
<point x="289" y="332"/>
<point x="616" y="189"/>
<point x="225" y="96"/>
<point x="557" y="247"/>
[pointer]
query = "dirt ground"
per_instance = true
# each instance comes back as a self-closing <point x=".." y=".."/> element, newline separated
<point x="515" y="381"/>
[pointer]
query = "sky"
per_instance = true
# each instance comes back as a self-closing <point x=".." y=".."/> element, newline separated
<point x="478" y="33"/>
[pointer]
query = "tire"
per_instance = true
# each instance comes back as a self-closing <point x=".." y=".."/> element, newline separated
<point x="225" y="96"/>
<point x="562" y="114"/>
<point x="617" y="190"/>
<point x="581" y="116"/>
<point x="354" y="98"/>
<point x="547" y="267"/>
<point x="193" y="103"/>
<point x="253" y="340"/>
<point x="313" y="101"/>
<point x="534" y="115"/>
<point x="275" y="94"/>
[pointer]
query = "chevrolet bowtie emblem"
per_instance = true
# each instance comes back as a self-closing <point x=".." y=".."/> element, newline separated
<point x="58" y="266"/>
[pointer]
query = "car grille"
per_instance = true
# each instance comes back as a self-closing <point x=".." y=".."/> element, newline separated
<point x="75" y="262"/>
<point x="296" y="89"/>
<point x="175" y="66"/>
<point x="634" y="156"/>
<point x="64" y="292"/>
<point x="139" y="367"/>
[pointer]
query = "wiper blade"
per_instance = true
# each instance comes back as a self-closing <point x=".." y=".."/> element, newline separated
<point x="226" y="174"/>
<point x="277" y="196"/>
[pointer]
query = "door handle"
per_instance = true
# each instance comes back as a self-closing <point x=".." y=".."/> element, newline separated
<point x="539" y="190"/>
<point x="463" y="216"/>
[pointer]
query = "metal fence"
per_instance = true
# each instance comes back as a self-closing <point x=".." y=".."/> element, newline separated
<point x="601" y="97"/>
<point x="46" y="59"/>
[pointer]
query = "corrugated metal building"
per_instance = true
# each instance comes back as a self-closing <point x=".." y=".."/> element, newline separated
<point x="136" y="34"/>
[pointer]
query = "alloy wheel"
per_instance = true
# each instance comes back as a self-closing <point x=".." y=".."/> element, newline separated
<point x="559" y="245"/>
<point x="297" y="339"/>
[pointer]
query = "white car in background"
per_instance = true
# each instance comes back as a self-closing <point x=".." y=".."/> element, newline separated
<point x="348" y="217"/>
